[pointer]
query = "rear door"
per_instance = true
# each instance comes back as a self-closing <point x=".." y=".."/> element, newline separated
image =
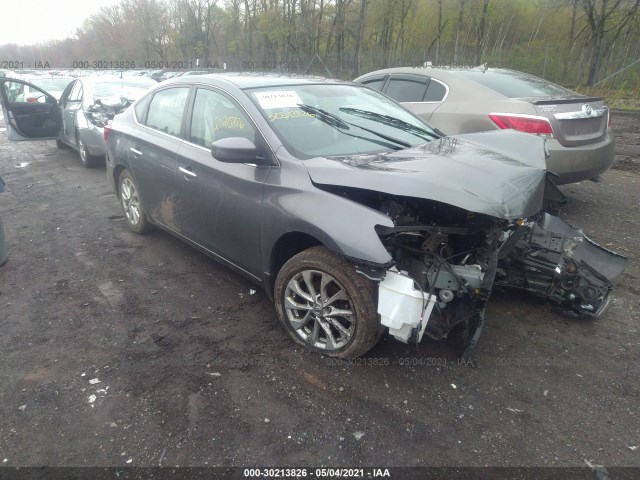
<point x="152" y="148"/>
<point x="25" y="119"/>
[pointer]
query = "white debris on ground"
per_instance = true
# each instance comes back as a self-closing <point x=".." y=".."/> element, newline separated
<point x="453" y="385"/>
<point x="633" y="448"/>
<point x="22" y="408"/>
<point x="93" y="381"/>
<point x="515" y="410"/>
<point x="92" y="398"/>
<point x="266" y="420"/>
<point x="358" y="435"/>
<point x="214" y="374"/>
<point x="130" y="460"/>
<point x="545" y="392"/>
<point x="252" y="292"/>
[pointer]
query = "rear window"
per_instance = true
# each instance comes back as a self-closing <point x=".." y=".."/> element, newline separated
<point x="406" y="90"/>
<point x="516" y="84"/>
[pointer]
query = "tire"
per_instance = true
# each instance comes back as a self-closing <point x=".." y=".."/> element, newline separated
<point x="134" y="212"/>
<point x="314" y="323"/>
<point x="86" y="158"/>
<point x="60" y="144"/>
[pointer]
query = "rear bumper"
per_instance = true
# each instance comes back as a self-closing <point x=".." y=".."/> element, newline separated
<point x="575" y="164"/>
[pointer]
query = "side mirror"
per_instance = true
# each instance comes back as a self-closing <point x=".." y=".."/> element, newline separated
<point x="235" y="150"/>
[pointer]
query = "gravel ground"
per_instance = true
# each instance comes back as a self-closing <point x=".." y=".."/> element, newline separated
<point x="138" y="350"/>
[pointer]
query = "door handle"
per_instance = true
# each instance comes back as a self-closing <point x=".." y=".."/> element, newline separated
<point x="187" y="171"/>
<point x="136" y="152"/>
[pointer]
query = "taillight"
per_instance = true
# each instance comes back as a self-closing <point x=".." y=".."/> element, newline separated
<point x="522" y="123"/>
<point x="107" y="131"/>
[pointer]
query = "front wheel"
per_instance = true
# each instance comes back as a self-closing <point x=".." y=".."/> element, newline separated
<point x="134" y="212"/>
<point x="325" y="305"/>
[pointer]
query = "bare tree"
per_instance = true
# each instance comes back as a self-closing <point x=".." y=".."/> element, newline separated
<point x="605" y="17"/>
<point x="480" y="38"/>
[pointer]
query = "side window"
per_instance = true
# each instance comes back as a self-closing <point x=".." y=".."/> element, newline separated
<point x="76" y="92"/>
<point x="166" y="110"/>
<point x="216" y="117"/>
<point x="141" y="109"/>
<point x="375" y="84"/>
<point x="406" y="90"/>
<point x="435" y="92"/>
<point x="14" y="91"/>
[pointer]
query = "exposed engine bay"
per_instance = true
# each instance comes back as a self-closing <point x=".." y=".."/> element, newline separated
<point x="103" y="110"/>
<point x="452" y="259"/>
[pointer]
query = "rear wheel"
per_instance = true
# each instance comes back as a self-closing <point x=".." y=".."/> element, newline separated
<point x="325" y="305"/>
<point x="87" y="159"/>
<point x="134" y="212"/>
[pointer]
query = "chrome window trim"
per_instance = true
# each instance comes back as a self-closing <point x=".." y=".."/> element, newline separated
<point x="446" y="94"/>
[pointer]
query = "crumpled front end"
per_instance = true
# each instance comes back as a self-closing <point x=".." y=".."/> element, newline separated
<point x="444" y="274"/>
<point x="553" y="260"/>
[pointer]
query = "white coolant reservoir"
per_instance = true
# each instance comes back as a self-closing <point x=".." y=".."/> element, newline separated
<point x="400" y="305"/>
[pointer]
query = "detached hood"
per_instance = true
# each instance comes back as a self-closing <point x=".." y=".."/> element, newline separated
<point x="498" y="173"/>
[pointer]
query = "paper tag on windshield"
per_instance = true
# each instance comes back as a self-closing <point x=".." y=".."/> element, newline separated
<point x="279" y="99"/>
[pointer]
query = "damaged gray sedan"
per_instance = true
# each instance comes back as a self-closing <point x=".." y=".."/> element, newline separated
<point x="353" y="215"/>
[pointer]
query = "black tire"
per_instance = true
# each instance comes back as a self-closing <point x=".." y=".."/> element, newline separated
<point x="134" y="212"/>
<point x="86" y="158"/>
<point x="360" y="330"/>
<point x="60" y="144"/>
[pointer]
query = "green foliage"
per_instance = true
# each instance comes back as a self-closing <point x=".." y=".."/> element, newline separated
<point x="548" y="38"/>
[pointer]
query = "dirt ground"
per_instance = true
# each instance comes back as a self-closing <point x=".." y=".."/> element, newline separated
<point x="119" y="350"/>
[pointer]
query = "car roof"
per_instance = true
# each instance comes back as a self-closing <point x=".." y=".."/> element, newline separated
<point x="254" y="80"/>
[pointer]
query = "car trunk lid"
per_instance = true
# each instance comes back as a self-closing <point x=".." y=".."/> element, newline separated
<point x="575" y="120"/>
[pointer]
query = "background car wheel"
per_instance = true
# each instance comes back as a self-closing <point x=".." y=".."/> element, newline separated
<point x="87" y="159"/>
<point x="134" y="212"/>
<point x="326" y="306"/>
<point x="60" y="144"/>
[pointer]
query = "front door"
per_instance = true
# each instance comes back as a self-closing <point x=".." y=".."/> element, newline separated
<point x="26" y="119"/>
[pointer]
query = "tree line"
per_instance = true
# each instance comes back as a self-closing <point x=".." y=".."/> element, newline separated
<point x="572" y="42"/>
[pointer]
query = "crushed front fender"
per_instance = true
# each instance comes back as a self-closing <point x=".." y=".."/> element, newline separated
<point x="553" y="260"/>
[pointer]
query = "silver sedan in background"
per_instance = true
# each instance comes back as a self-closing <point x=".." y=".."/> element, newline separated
<point x="466" y="100"/>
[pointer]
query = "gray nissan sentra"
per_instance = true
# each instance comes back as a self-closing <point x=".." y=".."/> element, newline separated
<point x="353" y="214"/>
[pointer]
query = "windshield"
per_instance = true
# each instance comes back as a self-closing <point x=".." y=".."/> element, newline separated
<point x="336" y="120"/>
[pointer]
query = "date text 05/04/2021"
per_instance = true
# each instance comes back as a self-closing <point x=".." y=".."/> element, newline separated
<point x="324" y="472"/>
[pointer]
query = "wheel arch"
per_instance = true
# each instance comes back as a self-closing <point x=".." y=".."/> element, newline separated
<point x="285" y="247"/>
<point x="117" y="171"/>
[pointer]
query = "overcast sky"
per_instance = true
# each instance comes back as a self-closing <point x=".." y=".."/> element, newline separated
<point x="33" y="21"/>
